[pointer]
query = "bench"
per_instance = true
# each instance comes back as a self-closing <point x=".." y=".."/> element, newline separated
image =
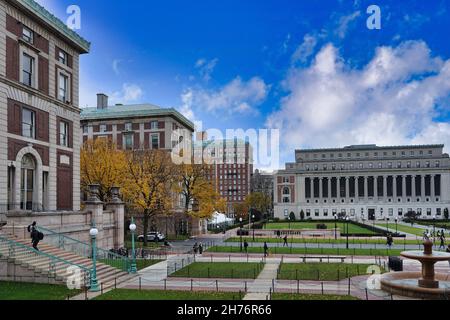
<point x="342" y="258"/>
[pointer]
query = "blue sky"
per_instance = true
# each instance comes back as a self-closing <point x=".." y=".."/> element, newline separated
<point x="311" y="69"/>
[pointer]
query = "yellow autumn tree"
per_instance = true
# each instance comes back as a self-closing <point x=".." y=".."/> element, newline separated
<point x="258" y="201"/>
<point x="101" y="163"/>
<point x="148" y="181"/>
<point x="199" y="193"/>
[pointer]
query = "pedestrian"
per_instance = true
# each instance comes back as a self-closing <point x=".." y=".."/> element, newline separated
<point x="266" y="249"/>
<point x="34" y="235"/>
<point x="442" y="245"/>
<point x="448" y="251"/>
<point x="278" y="234"/>
<point x="195" y="248"/>
<point x="200" y="248"/>
<point x="246" y="246"/>
<point x="285" y="241"/>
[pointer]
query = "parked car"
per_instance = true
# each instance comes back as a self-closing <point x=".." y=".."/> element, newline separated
<point x="152" y="236"/>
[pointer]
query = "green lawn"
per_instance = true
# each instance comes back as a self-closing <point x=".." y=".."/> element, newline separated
<point x="302" y="296"/>
<point x="438" y="224"/>
<point x="404" y="228"/>
<point x="352" y="228"/>
<point x="229" y="270"/>
<point x="321" y="251"/>
<point x="320" y="271"/>
<point x="381" y="241"/>
<point x="130" y="294"/>
<point x="34" y="291"/>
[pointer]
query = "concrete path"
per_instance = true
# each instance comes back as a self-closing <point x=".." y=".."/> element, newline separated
<point x="262" y="286"/>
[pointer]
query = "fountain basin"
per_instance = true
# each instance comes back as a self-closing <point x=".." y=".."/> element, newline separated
<point x="405" y="284"/>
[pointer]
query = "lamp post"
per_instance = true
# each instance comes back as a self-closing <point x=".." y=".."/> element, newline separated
<point x="240" y="232"/>
<point x="289" y="222"/>
<point x="253" y="226"/>
<point x="335" y="226"/>
<point x="346" y="222"/>
<point x="387" y="224"/>
<point x="434" y="228"/>
<point x="93" y="232"/>
<point x="133" y="268"/>
<point x="396" y="221"/>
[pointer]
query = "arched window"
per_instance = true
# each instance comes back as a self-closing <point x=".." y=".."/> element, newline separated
<point x="27" y="182"/>
<point x="286" y="191"/>
<point x="286" y="195"/>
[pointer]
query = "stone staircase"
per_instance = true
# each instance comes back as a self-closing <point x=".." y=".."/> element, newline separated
<point x="55" y="262"/>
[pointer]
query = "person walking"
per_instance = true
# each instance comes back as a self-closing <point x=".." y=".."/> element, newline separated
<point x="195" y="248"/>
<point x="266" y="249"/>
<point x="448" y="251"/>
<point x="442" y="245"/>
<point x="200" y="248"/>
<point x="285" y="239"/>
<point x="246" y="246"/>
<point x="34" y="234"/>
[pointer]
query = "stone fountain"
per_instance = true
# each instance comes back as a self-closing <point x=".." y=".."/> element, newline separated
<point x="426" y="284"/>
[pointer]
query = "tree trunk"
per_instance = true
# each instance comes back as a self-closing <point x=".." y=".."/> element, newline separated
<point x="145" y="226"/>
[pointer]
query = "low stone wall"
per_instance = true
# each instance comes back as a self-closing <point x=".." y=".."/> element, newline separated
<point x="10" y="271"/>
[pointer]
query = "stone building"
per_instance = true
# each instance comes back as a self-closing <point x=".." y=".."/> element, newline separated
<point x="365" y="182"/>
<point x="40" y="121"/>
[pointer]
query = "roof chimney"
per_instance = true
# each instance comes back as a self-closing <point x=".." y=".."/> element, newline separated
<point x="102" y="101"/>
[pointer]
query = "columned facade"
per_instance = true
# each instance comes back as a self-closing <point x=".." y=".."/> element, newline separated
<point x="369" y="182"/>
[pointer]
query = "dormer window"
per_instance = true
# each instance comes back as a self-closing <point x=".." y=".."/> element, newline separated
<point x="27" y="34"/>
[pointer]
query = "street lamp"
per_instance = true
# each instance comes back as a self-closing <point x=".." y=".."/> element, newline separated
<point x="396" y="221"/>
<point x="289" y="222"/>
<point x="240" y="232"/>
<point x="387" y="224"/>
<point x="253" y="226"/>
<point x="434" y="228"/>
<point x="347" y="220"/>
<point x="133" y="268"/>
<point x="335" y="226"/>
<point x="93" y="232"/>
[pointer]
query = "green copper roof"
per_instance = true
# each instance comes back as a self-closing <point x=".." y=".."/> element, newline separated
<point x="132" y="111"/>
<point x="55" y="23"/>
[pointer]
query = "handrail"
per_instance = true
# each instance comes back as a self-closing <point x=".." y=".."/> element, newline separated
<point x="54" y="259"/>
<point x="85" y="249"/>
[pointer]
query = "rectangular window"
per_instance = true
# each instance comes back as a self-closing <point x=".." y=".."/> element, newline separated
<point x="63" y="88"/>
<point x="103" y="128"/>
<point x="128" y="142"/>
<point x="28" y="70"/>
<point x="154" y="125"/>
<point x="63" y="134"/>
<point x="128" y="126"/>
<point x="155" y="141"/>
<point x="85" y="129"/>
<point x="27" y="34"/>
<point x="28" y="123"/>
<point x="63" y="57"/>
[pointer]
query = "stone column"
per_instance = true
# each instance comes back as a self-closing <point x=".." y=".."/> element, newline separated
<point x="366" y="189"/>
<point x="329" y="189"/>
<point x="375" y="187"/>
<point x="95" y="207"/>
<point x="422" y="186"/>
<point x="413" y="187"/>
<point x="403" y="186"/>
<point x="385" y="187"/>
<point x="432" y="191"/>
<point x="394" y="186"/>
<point x="347" y="187"/>
<point x="320" y="188"/>
<point x="311" y="186"/>
<point x="357" y="188"/>
<point x="118" y="208"/>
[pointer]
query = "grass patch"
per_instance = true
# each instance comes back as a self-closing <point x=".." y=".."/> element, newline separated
<point x="140" y="263"/>
<point x="229" y="270"/>
<point x="302" y="296"/>
<point x="352" y="228"/>
<point x="321" y="271"/>
<point x="325" y="241"/>
<point x="321" y="251"/>
<point x="130" y="294"/>
<point x="34" y="291"/>
<point x="403" y="228"/>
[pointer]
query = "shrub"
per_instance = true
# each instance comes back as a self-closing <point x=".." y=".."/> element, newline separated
<point x="302" y="215"/>
<point x="446" y="213"/>
<point x="292" y="216"/>
<point x="321" y="226"/>
<point x="245" y="232"/>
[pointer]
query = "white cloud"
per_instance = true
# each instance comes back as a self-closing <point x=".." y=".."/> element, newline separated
<point x="186" y="107"/>
<point x="237" y="96"/>
<point x="391" y="100"/>
<point x="304" y="50"/>
<point x="128" y="94"/>
<point x="344" y="23"/>
<point x="115" y="66"/>
<point x="206" y="68"/>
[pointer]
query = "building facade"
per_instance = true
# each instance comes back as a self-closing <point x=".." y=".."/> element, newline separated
<point x="231" y="167"/>
<point x="39" y="113"/>
<point x="133" y="127"/>
<point x="262" y="182"/>
<point x="365" y="182"/>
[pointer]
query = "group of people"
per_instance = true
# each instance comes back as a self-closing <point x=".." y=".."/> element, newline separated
<point x="198" y="248"/>
<point x="440" y="234"/>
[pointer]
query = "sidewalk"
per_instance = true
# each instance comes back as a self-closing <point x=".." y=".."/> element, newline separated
<point x="262" y="286"/>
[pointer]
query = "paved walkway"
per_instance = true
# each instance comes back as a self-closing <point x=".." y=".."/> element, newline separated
<point x="262" y="286"/>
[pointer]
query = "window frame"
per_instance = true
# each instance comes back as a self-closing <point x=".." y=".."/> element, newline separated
<point x="64" y="134"/>
<point x="25" y="38"/>
<point x="32" y="125"/>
